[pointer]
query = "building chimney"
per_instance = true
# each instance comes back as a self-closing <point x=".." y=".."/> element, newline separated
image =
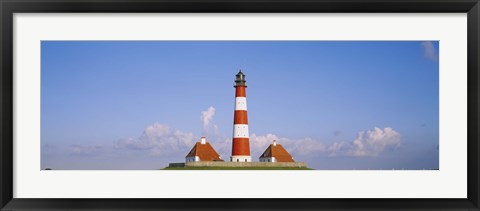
<point x="274" y="142"/>
<point x="203" y="140"/>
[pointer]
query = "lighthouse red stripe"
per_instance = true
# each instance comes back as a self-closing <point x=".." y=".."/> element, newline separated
<point x="241" y="146"/>
<point x="240" y="91"/>
<point x="240" y="117"/>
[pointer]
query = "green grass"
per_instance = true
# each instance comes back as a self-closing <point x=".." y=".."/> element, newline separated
<point x="236" y="168"/>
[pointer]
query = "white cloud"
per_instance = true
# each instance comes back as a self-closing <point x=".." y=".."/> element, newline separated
<point x="207" y="117"/>
<point x="159" y="139"/>
<point x="429" y="50"/>
<point x="302" y="146"/>
<point x="308" y="146"/>
<point x="368" y="143"/>
<point x="78" y="149"/>
<point x="337" y="147"/>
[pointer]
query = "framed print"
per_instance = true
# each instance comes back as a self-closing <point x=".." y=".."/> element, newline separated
<point x="239" y="105"/>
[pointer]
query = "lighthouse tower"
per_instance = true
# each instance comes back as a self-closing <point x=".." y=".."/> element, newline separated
<point x="241" y="145"/>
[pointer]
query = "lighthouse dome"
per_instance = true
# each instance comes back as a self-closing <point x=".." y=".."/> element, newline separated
<point x="240" y="73"/>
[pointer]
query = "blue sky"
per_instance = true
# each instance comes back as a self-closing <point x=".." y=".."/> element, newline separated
<point x="334" y="105"/>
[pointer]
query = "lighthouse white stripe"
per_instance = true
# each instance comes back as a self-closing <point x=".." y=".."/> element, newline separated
<point x="240" y="131"/>
<point x="241" y="103"/>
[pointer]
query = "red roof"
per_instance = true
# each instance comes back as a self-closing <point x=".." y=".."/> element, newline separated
<point x="277" y="151"/>
<point x="205" y="152"/>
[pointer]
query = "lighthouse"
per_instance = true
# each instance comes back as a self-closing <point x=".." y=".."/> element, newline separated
<point x="241" y="142"/>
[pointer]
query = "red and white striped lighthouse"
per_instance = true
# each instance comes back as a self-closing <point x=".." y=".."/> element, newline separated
<point x="241" y="143"/>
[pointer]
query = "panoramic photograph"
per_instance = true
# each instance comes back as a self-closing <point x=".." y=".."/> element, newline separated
<point x="240" y="105"/>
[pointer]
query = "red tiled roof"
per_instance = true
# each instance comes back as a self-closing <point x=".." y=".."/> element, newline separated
<point x="205" y="152"/>
<point x="277" y="151"/>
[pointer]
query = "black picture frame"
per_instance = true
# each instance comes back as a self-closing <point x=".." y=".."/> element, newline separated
<point x="9" y="7"/>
